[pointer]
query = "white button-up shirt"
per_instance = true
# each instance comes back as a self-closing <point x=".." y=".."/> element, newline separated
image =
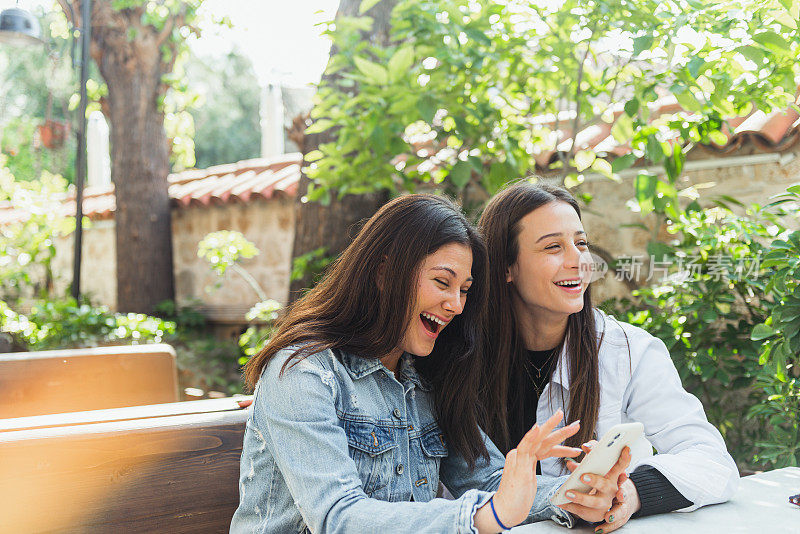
<point x="639" y="382"/>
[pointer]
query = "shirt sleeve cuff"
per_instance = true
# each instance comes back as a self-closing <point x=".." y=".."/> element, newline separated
<point x="471" y="501"/>
<point x="551" y="511"/>
<point x="656" y="493"/>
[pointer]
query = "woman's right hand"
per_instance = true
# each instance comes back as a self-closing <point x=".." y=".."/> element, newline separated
<point x="594" y="505"/>
<point x="517" y="490"/>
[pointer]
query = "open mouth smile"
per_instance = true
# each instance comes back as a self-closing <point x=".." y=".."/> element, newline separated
<point x="571" y="286"/>
<point x="432" y="324"/>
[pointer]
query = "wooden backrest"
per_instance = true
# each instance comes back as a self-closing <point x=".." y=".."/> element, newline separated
<point x="59" y="381"/>
<point x="169" y="468"/>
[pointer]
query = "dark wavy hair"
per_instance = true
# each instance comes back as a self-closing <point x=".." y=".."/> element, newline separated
<point x="347" y="310"/>
<point x="504" y="376"/>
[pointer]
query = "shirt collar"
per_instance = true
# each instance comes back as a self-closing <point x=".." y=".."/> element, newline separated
<point x="359" y="367"/>
<point x="408" y="370"/>
<point x="561" y="372"/>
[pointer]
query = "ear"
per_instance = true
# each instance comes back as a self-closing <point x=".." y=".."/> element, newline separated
<point x="509" y="275"/>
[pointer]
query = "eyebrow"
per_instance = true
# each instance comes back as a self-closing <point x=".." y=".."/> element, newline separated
<point x="449" y="270"/>
<point x="559" y="234"/>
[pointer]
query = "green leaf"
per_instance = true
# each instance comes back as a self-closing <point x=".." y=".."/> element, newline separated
<point x="640" y="44"/>
<point x="694" y="206"/>
<point x="644" y="186"/>
<point x="632" y="107"/>
<point x="783" y="17"/>
<point x="375" y="73"/>
<point x="688" y="101"/>
<point x="572" y="180"/>
<point x="695" y="65"/>
<point x="655" y="152"/>
<point x="603" y="167"/>
<point x="623" y="162"/>
<point x="366" y="5"/>
<point x="314" y="155"/>
<point x="773" y="42"/>
<point x="319" y="126"/>
<point x="460" y="174"/>
<point x="762" y="331"/>
<point x="427" y="108"/>
<point x="400" y="62"/>
<point x="623" y="129"/>
<point x="752" y="53"/>
<point x="718" y="137"/>
<point x="584" y="159"/>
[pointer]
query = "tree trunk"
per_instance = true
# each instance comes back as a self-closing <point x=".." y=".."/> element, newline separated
<point x="140" y="168"/>
<point x="334" y="226"/>
<point x="129" y="55"/>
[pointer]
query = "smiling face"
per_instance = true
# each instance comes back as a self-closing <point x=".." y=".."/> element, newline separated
<point x="443" y="279"/>
<point x="551" y="272"/>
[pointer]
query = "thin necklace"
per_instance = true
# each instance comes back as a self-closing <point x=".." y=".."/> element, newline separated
<point x="540" y="372"/>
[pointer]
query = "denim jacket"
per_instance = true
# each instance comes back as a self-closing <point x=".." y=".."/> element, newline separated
<point x="338" y="444"/>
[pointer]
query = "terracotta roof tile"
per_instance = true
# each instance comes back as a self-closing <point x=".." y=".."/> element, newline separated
<point x="773" y="132"/>
<point x="242" y="182"/>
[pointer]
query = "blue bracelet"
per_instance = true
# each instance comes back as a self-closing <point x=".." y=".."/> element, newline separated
<point x="491" y="503"/>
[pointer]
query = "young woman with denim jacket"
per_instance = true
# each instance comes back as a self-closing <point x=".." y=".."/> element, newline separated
<point x="552" y="350"/>
<point x="365" y="396"/>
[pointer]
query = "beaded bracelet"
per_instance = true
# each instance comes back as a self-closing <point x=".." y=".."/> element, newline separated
<point x="491" y="503"/>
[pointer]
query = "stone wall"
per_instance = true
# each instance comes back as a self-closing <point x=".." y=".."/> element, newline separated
<point x="98" y="264"/>
<point x="749" y="183"/>
<point x="267" y="223"/>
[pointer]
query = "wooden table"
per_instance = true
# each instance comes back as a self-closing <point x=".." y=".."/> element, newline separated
<point x="761" y="506"/>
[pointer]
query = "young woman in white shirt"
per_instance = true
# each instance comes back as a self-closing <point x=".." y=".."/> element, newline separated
<point x="549" y="348"/>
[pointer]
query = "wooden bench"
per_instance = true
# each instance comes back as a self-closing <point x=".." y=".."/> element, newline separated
<point x="166" y="468"/>
<point x="59" y="381"/>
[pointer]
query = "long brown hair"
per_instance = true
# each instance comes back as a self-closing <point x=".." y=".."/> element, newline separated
<point x="504" y="377"/>
<point x="347" y="310"/>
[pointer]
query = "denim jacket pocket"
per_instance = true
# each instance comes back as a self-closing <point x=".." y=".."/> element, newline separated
<point x="372" y="448"/>
<point x="434" y="449"/>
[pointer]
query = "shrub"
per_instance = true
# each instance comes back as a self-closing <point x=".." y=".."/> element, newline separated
<point x="715" y="290"/>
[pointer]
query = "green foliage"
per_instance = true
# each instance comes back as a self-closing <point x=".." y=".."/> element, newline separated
<point x="184" y="317"/>
<point x="36" y="83"/>
<point x="28" y="243"/>
<point x="470" y="92"/>
<point x="256" y="336"/>
<point x="226" y="113"/>
<point x="59" y="324"/>
<point x="205" y="361"/>
<point x="710" y="288"/>
<point x="224" y="248"/>
<point x="780" y="350"/>
<point x="311" y="264"/>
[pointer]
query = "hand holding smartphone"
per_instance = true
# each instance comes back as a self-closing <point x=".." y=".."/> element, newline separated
<point x="600" y="459"/>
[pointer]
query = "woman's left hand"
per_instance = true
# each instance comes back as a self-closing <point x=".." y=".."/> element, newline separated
<point x="626" y="503"/>
<point x="606" y="500"/>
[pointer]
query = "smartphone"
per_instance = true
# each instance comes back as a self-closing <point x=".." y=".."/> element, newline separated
<point x="600" y="459"/>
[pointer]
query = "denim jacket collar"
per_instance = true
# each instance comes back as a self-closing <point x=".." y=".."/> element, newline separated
<point x="410" y="372"/>
<point x="360" y="367"/>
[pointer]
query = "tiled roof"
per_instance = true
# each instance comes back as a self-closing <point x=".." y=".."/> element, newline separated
<point x="773" y="132"/>
<point x="235" y="182"/>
